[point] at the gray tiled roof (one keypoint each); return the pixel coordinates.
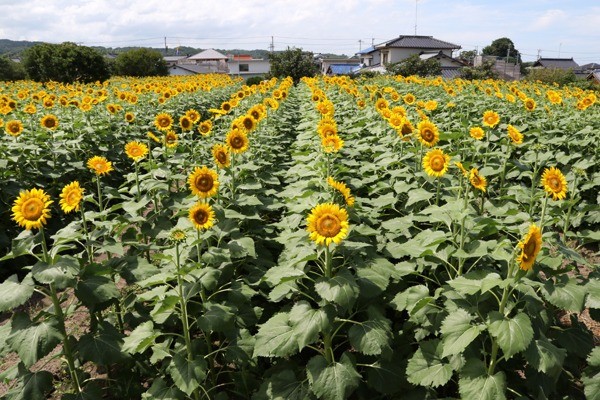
(419, 42)
(560, 63)
(451, 72)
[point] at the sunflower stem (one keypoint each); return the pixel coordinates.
(568, 216)
(137, 181)
(503, 175)
(88, 241)
(327, 262)
(543, 215)
(100, 206)
(437, 191)
(533, 176)
(501, 309)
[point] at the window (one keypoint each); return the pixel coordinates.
(244, 67)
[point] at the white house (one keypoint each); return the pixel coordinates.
(245, 66)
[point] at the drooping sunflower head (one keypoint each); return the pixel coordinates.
(476, 133)
(31, 209)
(428, 133)
(202, 216)
(70, 197)
(14, 127)
(50, 121)
(514, 134)
(136, 150)
(221, 155)
(203, 182)
(478, 181)
(462, 169)
(491, 118)
(343, 189)
(530, 247)
(436, 163)
(327, 223)
(99, 165)
(555, 183)
(163, 121)
(237, 141)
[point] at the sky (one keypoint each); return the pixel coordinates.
(546, 28)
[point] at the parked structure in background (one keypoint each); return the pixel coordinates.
(337, 65)
(506, 70)
(247, 67)
(564, 64)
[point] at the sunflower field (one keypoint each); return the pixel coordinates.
(382, 238)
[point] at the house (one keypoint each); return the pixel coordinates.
(506, 70)
(556, 63)
(594, 77)
(342, 65)
(591, 67)
(173, 60)
(210, 61)
(402, 47)
(245, 66)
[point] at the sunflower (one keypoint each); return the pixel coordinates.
(49, 121)
(554, 183)
(476, 133)
(249, 123)
(70, 197)
(327, 223)
(163, 121)
(111, 108)
(202, 216)
(185, 123)
(529, 104)
(258, 112)
(99, 165)
(171, 139)
(514, 134)
(428, 133)
(221, 155)
(478, 181)
(407, 128)
(237, 141)
(530, 247)
(203, 182)
(436, 163)
(326, 129)
(409, 98)
(30, 109)
(205, 127)
(14, 127)
(332, 144)
(129, 117)
(226, 106)
(152, 136)
(136, 150)
(461, 168)
(381, 104)
(31, 209)
(490, 118)
(343, 189)
(193, 115)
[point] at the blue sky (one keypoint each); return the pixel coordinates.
(548, 27)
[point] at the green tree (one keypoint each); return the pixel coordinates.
(413, 65)
(294, 63)
(66, 62)
(10, 70)
(468, 56)
(501, 47)
(484, 71)
(140, 62)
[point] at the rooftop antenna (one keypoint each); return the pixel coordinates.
(416, 15)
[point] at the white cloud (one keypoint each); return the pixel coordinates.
(549, 19)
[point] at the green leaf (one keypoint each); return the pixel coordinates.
(457, 332)
(242, 247)
(475, 383)
(216, 317)
(141, 338)
(416, 195)
(33, 341)
(373, 278)
(426, 367)
(308, 323)
(62, 273)
(160, 391)
(282, 273)
(474, 282)
(13, 293)
(370, 337)
(564, 293)
(276, 338)
(33, 386)
(103, 347)
(591, 385)
(513, 334)
(545, 357)
(334, 381)
(187, 374)
(386, 377)
(283, 386)
(95, 290)
(593, 297)
(341, 289)
(410, 297)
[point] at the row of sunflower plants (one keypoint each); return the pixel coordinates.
(371, 238)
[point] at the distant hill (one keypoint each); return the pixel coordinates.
(14, 48)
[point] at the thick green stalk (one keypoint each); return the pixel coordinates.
(100, 206)
(502, 310)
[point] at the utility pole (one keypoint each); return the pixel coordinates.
(506, 62)
(372, 42)
(272, 45)
(166, 48)
(416, 14)
(539, 54)
(359, 44)
(559, 46)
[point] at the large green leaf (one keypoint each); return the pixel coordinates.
(276, 338)
(103, 347)
(141, 338)
(32, 386)
(545, 357)
(187, 374)
(160, 391)
(408, 299)
(476, 384)
(565, 293)
(62, 273)
(307, 323)
(334, 381)
(591, 375)
(593, 290)
(33, 341)
(242, 247)
(474, 282)
(426, 367)
(512, 334)
(458, 332)
(341, 289)
(283, 386)
(370, 337)
(95, 290)
(374, 276)
(13, 293)
(282, 273)
(217, 317)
